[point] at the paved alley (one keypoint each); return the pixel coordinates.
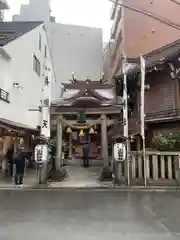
(89, 214)
(79, 176)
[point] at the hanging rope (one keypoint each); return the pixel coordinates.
(79, 127)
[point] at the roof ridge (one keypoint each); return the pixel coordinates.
(17, 29)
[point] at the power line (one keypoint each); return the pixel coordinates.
(175, 1)
(150, 14)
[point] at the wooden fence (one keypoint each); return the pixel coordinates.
(160, 168)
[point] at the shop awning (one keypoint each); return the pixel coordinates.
(16, 127)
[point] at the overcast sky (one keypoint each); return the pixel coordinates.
(93, 13)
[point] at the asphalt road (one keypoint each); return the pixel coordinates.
(88, 214)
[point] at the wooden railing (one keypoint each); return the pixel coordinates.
(160, 166)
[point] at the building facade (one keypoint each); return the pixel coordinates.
(34, 11)
(75, 49)
(135, 33)
(24, 52)
(162, 99)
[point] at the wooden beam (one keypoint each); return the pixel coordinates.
(97, 111)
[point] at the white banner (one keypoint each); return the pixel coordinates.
(46, 102)
(142, 114)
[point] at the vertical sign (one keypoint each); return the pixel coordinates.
(46, 101)
(125, 98)
(125, 113)
(142, 94)
(142, 114)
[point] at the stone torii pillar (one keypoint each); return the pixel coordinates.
(70, 146)
(104, 141)
(59, 132)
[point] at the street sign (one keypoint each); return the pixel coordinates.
(119, 152)
(41, 153)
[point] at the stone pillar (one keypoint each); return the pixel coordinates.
(59, 131)
(70, 146)
(104, 140)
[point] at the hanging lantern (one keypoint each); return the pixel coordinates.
(81, 117)
(132, 139)
(81, 134)
(69, 130)
(91, 131)
(21, 140)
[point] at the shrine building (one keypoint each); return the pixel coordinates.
(84, 113)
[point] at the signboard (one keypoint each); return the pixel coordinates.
(41, 153)
(119, 152)
(46, 102)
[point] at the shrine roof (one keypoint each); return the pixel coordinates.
(159, 56)
(91, 92)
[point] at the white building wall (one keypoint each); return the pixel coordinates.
(76, 49)
(36, 10)
(20, 69)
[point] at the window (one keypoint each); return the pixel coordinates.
(45, 51)
(36, 65)
(4, 95)
(40, 39)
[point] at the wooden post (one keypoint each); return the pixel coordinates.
(155, 167)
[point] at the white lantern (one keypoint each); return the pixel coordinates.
(41, 153)
(119, 151)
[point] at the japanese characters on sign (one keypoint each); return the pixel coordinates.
(119, 152)
(41, 153)
(45, 123)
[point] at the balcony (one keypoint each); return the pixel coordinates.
(4, 5)
(164, 115)
(4, 95)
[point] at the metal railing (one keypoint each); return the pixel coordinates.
(4, 95)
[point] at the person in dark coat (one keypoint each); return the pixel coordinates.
(9, 157)
(20, 163)
(86, 155)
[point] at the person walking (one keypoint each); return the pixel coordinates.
(86, 155)
(20, 163)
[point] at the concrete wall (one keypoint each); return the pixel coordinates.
(36, 10)
(75, 49)
(20, 69)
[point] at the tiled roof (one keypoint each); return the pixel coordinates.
(9, 31)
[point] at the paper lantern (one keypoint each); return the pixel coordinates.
(81, 134)
(91, 131)
(69, 130)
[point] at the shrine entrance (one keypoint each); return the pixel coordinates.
(83, 114)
